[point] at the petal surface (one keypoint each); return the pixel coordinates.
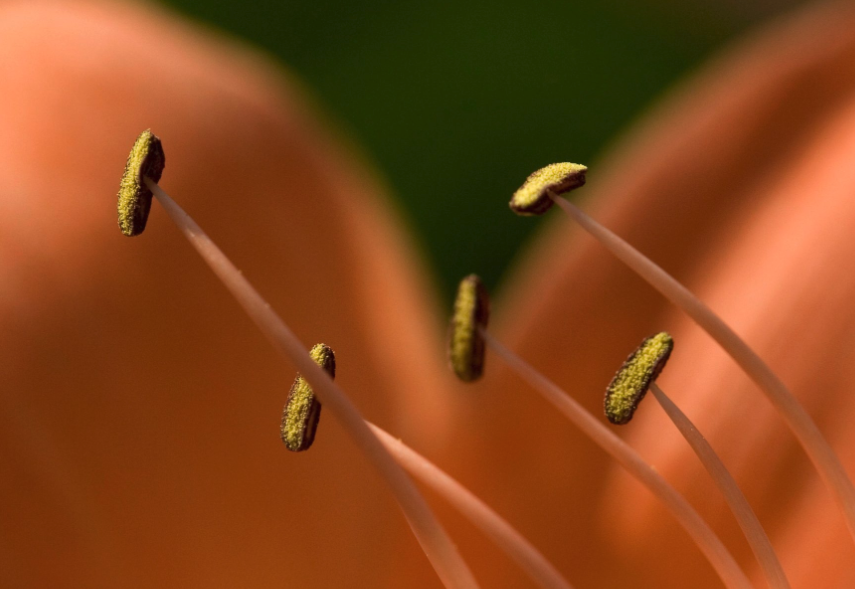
(738, 184)
(140, 407)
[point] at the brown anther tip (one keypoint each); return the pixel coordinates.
(632, 381)
(134, 199)
(466, 345)
(533, 197)
(302, 409)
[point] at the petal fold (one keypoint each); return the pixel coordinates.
(140, 407)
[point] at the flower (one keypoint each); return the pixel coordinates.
(140, 407)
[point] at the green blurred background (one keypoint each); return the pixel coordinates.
(457, 102)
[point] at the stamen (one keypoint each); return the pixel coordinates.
(711, 546)
(134, 201)
(514, 544)
(746, 517)
(532, 199)
(794, 415)
(479, 513)
(639, 373)
(631, 382)
(465, 346)
(438, 547)
(302, 410)
(485, 518)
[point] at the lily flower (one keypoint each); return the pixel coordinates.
(139, 408)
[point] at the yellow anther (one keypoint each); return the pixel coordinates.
(302, 409)
(631, 382)
(466, 346)
(146, 159)
(532, 199)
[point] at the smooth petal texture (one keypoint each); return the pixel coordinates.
(140, 407)
(740, 184)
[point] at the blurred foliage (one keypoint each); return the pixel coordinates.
(457, 102)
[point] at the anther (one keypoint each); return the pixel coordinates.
(634, 378)
(532, 197)
(302, 409)
(146, 159)
(465, 344)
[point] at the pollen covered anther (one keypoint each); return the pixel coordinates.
(634, 378)
(302, 409)
(134, 201)
(465, 345)
(532, 197)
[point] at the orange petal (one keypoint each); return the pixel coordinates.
(140, 407)
(780, 281)
(739, 185)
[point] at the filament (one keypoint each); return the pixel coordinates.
(435, 542)
(801, 424)
(540, 570)
(745, 516)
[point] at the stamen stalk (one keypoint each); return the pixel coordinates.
(801, 424)
(435, 542)
(746, 517)
(514, 544)
(711, 546)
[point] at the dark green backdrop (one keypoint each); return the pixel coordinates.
(457, 102)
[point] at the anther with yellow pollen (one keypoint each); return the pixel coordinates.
(634, 378)
(466, 345)
(145, 160)
(302, 410)
(533, 198)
